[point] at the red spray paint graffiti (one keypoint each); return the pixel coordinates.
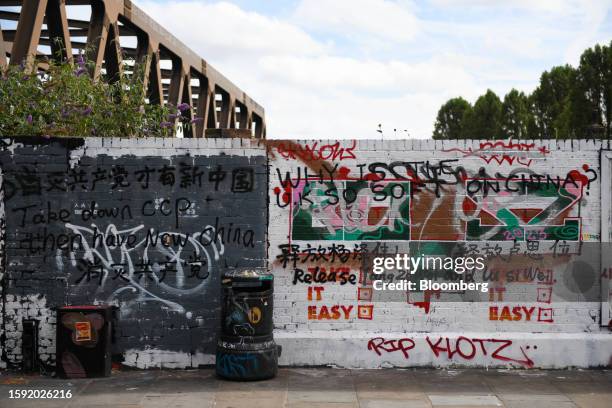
(379, 344)
(460, 348)
(502, 151)
(316, 151)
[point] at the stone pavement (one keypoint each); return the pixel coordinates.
(325, 387)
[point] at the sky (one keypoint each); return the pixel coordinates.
(337, 69)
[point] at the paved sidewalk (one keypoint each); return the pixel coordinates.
(325, 387)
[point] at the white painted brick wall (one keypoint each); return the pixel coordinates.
(395, 319)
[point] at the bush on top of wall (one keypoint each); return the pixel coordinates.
(64, 100)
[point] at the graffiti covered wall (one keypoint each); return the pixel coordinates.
(337, 202)
(148, 226)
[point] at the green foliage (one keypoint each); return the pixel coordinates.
(568, 103)
(551, 101)
(515, 115)
(65, 101)
(449, 123)
(591, 100)
(485, 118)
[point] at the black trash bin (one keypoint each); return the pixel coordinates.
(83, 346)
(246, 350)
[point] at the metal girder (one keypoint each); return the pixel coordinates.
(110, 21)
(27, 36)
(2, 50)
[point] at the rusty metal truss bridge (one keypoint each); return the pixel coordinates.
(114, 33)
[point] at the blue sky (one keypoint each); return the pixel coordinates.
(338, 68)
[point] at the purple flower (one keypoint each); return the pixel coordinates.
(196, 120)
(86, 111)
(81, 60)
(29, 119)
(165, 124)
(80, 71)
(65, 113)
(183, 107)
(172, 116)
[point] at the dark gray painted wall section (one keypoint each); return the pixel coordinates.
(151, 234)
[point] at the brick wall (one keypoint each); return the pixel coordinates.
(147, 225)
(134, 222)
(333, 201)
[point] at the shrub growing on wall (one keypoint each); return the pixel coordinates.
(65, 100)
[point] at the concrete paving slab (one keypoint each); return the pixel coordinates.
(391, 403)
(324, 387)
(321, 396)
(593, 400)
(534, 397)
(390, 394)
(539, 404)
(322, 405)
(458, 399)
(249, 403)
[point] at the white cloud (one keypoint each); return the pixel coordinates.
(553, 6)
(367, 76)
(223, 29)
(331, 97)
(528, 27)
(312, 88)
(595, 13)
(344, 115)
(308, 91)
(389, 20)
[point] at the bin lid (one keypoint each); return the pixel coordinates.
(246, 275)
(85, 307)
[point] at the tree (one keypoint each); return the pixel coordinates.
(515, 115)
(449, 122)
(591, 98)
(550, 103)
(484, 120)
(568, 103)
